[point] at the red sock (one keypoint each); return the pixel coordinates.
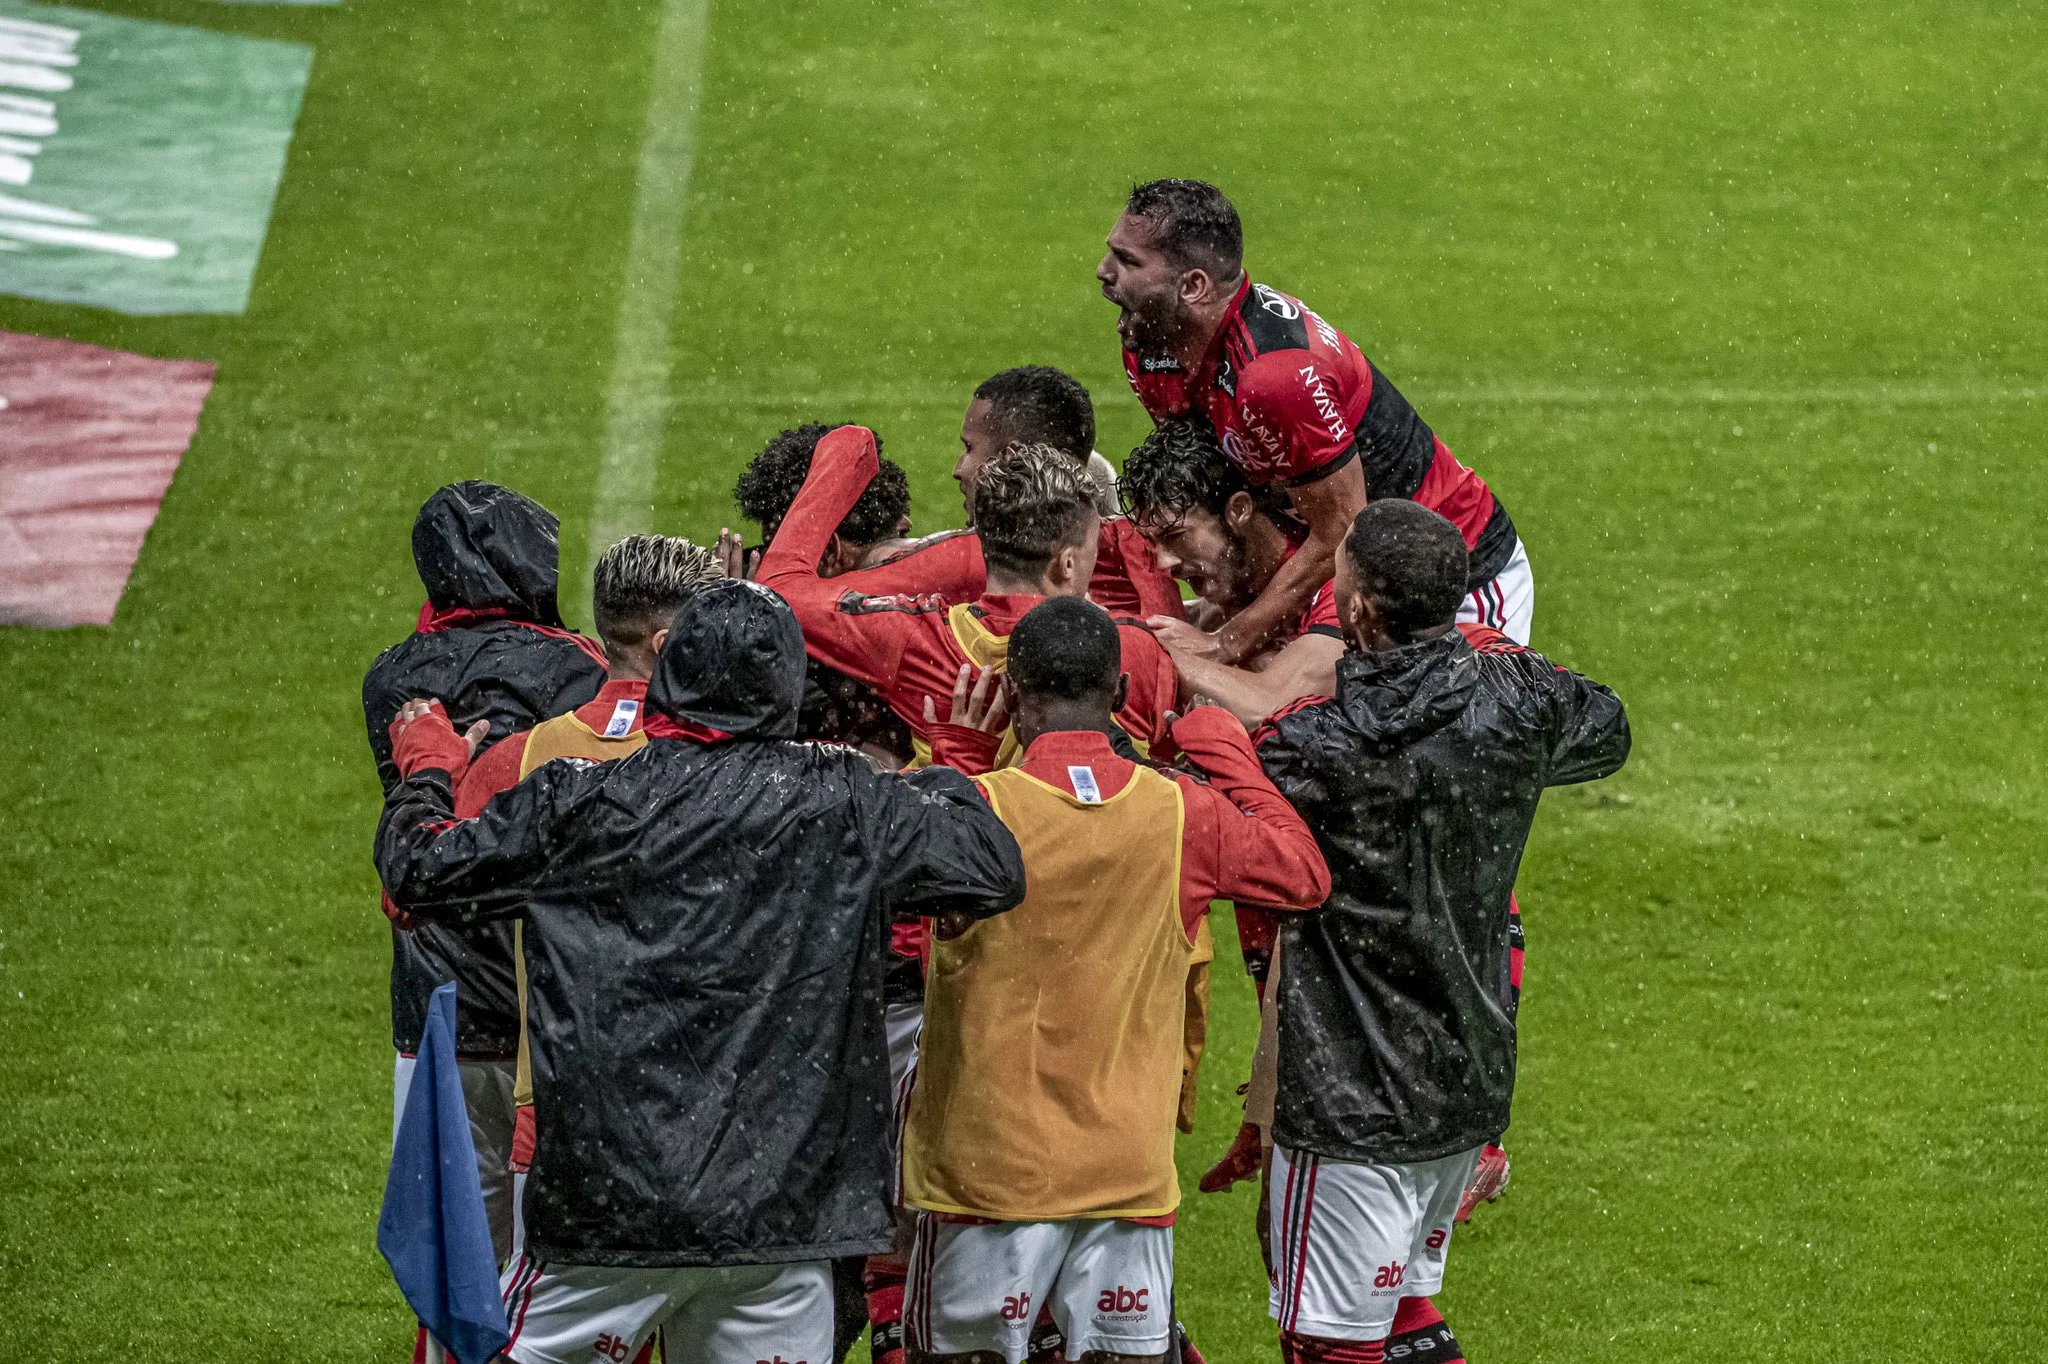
(1296, 1348)
(883, 1280)
(1420, 1333)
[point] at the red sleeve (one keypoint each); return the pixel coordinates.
(948, 566)
(969, 751)
(1128, 580)
(1293, 404)
(1320, 617)
(1155, 687)
(496, 769)
(866, 646)
(1243, 840)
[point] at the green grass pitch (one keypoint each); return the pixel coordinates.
(1739, 308)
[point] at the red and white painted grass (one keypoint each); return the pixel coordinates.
(89, 440)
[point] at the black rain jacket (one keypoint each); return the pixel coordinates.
(1420, 780)
(706, 929)
(491, 646)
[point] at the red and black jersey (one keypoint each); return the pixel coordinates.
(910, 648)
(1292, 398)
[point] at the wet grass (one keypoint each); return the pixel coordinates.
(1738, 311)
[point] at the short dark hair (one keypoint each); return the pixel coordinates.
(1409, 561)
(1193, 223)
(769, 484)
(1030, 502)
(1040, 405)
(1180, 466)
(1066, 647)
(642, 581)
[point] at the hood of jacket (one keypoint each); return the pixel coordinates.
(733, 662)
(1393, 699)
(483, 547)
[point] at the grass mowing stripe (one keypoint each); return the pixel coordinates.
(1866, 394)
(637, 412)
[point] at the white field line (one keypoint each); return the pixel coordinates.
(638, 402)
(1865, 394)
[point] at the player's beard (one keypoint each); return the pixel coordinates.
(1225, 588)
(1154, 328)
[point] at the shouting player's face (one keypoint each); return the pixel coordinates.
(1146, 287)
(1197, 547)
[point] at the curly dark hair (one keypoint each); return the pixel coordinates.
(1193, 223)
(769, 484)
(1181, 466)
(1040, 405)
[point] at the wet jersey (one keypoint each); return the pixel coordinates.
(910, 648)
(1292, 399)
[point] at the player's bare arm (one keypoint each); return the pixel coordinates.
(1305, 666)
(1327, 506)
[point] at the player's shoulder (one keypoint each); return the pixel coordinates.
(964, 540)
(1301, 716)
(1485, 639)
(1138, 640)
(1278, 335)
(893, 603)
(1272, 322)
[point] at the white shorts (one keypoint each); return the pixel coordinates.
(902, 1026)
(591, 1314)
(487, 1090)
(1508, 603)
(978, 1286)
(1350, 1241)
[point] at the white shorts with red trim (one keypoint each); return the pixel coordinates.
(487, 1091)
(1350, 1241)
(1508, 603)
(979, 1286)
(902, 1028)
(589, 1314)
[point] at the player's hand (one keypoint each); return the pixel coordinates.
(1181, 639)
(1239, 1163)
(1195, 703)
(734, 556)
(978, 702)
(422, 738)
(412, 712)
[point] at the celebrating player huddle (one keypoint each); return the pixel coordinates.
(831, 945)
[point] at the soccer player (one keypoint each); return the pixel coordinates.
(1040, 1141)
(639, 585)
(705, 927)
(1227, 539)
(1294, 402)
(1040, 405)
(1396, 1028)
(491, 644)
(1029, 405)
(836, 708)
(875, 526)
(1039, 531)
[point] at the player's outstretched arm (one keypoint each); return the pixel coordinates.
(1241, 832)
(1591, 730)
(1328, 506)
(437, 867)
(866, 646)
(945, 850)
(1306, 666)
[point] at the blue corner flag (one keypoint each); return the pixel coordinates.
(433, 1230)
